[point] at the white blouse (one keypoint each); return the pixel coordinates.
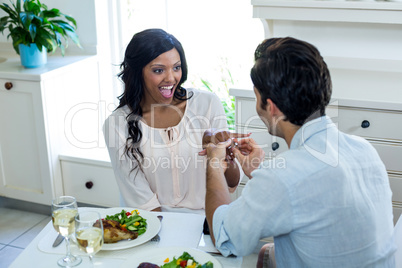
(174, 174)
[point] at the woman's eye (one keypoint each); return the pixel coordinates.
(158, 71)
(177, 68)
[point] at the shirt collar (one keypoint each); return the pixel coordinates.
(309, 129)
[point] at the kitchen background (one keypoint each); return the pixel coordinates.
(50, 121)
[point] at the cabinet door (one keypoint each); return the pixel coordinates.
(24, 165)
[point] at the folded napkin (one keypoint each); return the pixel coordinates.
(180, 229)
(45, 244)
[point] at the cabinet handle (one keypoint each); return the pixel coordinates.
(365, 124)
(275, 146)
(8, 85)
(89, 184)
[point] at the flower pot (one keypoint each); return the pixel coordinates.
(31, 56)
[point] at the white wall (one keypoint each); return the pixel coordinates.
(83, 11)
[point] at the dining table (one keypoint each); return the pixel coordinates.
(177, 231)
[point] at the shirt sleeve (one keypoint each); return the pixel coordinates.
(133, 185)
(263, 210)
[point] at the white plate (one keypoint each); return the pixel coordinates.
(153, 227)
(158, 255)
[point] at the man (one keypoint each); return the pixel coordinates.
(330, 204)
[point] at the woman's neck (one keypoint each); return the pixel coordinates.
(163, 116)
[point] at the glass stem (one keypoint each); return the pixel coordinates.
(91, 259)
(68, 247)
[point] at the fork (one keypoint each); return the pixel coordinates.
(156, 238)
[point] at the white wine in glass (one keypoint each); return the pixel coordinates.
(64, 210)
(89, 232)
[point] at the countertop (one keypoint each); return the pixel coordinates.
(375, 103)
(11, 68)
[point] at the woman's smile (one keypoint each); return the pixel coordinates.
(167, 91)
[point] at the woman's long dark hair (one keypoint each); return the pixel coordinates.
(144, 47)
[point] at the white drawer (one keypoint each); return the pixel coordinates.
(265, 140)
(246, 113)
(91, 184)
(382, 124)
(391, 155)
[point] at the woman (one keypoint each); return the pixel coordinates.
(157, 131)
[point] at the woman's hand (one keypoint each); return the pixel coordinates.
(213, 136)
(249, 154)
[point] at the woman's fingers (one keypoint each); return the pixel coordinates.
(203, 152)
(220, 136)
(239, 135)
(225, 144)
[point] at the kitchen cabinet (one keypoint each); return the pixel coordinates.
(360, 42)
(34, 105)
(25, 172)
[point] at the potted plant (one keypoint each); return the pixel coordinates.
(37, 30)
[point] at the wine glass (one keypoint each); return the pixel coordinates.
(89, 232)
(64, 209)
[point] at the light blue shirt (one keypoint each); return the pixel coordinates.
(326, 202)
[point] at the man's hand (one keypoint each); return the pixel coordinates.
(249, 154)
(215, 137)
(216, 154)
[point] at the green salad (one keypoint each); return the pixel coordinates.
(185, 261)
(131, 221)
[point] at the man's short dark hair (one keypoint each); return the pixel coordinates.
(294, 76)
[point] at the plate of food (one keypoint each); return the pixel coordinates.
(172, 257)
(128, 227)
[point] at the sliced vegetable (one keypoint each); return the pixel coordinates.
(183, 264)
(130, 221)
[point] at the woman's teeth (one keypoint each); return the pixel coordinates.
(166, 91)
(168, 87)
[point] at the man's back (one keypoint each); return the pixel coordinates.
(328, 206)
(341, 199)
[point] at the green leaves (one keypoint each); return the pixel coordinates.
(33, 22)
(227, 101)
